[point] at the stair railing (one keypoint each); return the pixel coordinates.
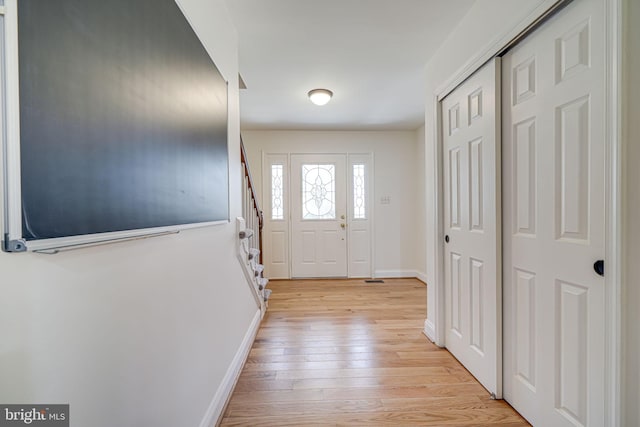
(250, 235)
(250, 206)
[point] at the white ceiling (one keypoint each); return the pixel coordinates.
(370, 53)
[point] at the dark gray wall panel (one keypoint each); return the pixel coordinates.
(123, 119)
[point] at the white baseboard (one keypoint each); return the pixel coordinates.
(217, 405)
(430, 330)
(395, 274)
(422, 277)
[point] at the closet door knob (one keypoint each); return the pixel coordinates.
(598, 267)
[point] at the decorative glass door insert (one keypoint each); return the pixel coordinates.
(318, 191)
(277, 192)
(359, 192)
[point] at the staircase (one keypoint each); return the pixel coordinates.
(249, 228)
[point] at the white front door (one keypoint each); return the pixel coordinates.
(318, 215)
(470, 126)
(553, 168)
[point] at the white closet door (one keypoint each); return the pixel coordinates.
(471, 134)
(553, 168)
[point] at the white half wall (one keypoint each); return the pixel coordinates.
(396, 173)
(484, 24)
(141, 333)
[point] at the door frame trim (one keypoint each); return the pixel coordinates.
(435, 325)
(613, 211)
(371, 188)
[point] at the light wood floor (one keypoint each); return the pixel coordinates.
(343, 352)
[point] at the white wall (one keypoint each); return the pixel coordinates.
(139, 333)
(396, 175)
(631, 280)
(486, 22)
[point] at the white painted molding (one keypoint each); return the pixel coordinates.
(614, 210)
(372, 216)
(11, 98)
(494, 47)
(429, 330)
(438, 230)
(401, 274)
(220, 399)
(421, 276)
(395, 274)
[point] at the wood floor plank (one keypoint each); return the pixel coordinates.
(324, 357)
(353, 373)
(348, 353)
(436, 417)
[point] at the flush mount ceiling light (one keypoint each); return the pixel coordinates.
(320, 96)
